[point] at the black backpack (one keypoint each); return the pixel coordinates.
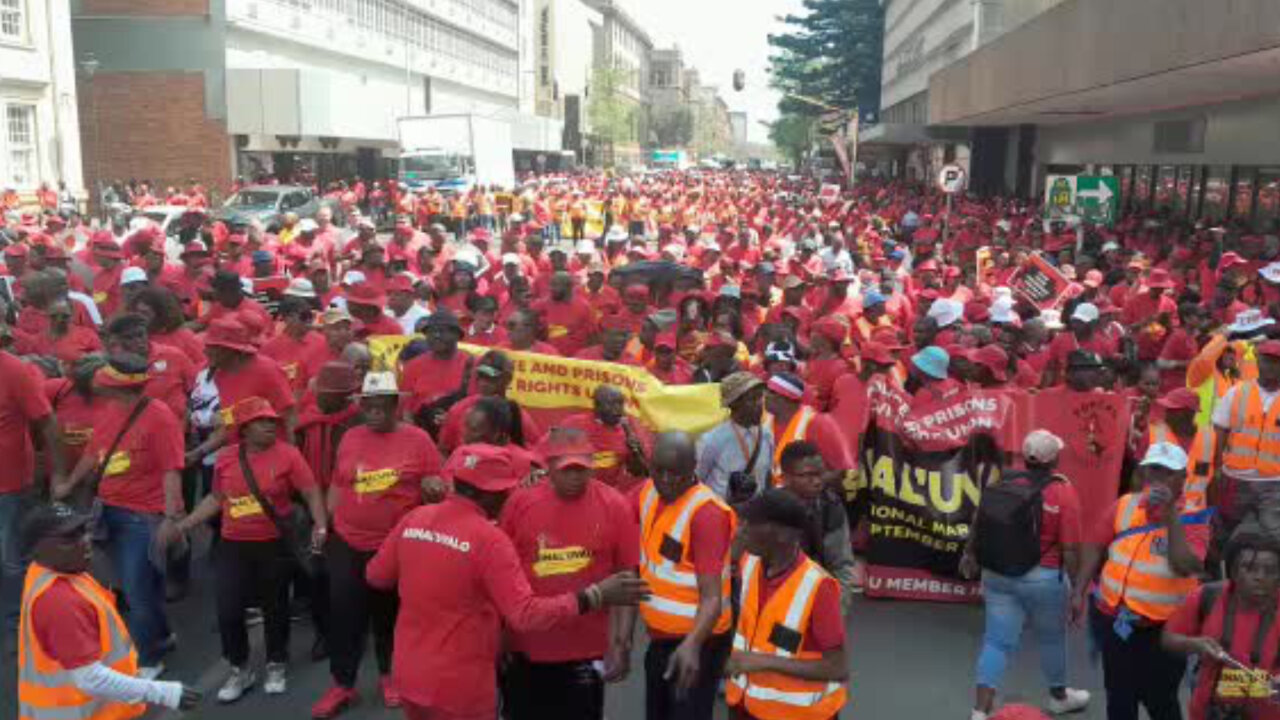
(1008, 523)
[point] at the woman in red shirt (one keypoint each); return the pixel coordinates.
(164, 318)
(254, 562)
(385, 468)
(77, 407)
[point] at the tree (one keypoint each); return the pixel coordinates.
(791, 135)
(612, 116)
(833, 54)
(674, 128)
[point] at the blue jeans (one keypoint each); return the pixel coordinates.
(129, 538)
(1041, 597)
(13, 561)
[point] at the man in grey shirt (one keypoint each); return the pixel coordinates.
(728, 449)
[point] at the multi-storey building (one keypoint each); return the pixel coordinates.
(621, 44)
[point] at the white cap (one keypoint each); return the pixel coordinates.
(307, 225)
(1086, 312)
(616, 234)
(1271, 273)
(510, 259)
(353, 277)
(1110, 245)
(246, 284)
(133, 275)
(300, 288)
(1249, 320)
(585, 247)
(1166, 455)
(380, 383)
(946, 312)
(1002, 311)
(675, 251)
(365, 222)
(1041, 446)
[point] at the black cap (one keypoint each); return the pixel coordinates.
(53, 520)
(442, 318)
(1083, 360)
(779, 507)
(225, 279)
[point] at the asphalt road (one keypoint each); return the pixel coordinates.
(908, 661)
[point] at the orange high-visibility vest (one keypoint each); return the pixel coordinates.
(665, 563)
(1137, 572)
(45, 688)
(1199, 463)
(797, 429)
(769, 695)
(1254, 443)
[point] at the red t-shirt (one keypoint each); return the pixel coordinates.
(564, 546)
(134, 475)
(294, 356)
(1065, 342)
(569, 324)
(610, 445)
(22, 402)
(1186, 621)
(186, 341)
(428, 378)
(258, 377)
(1059, 521)
(379, 479)
(76, 417)
(1181, 346)
(826, 624)
(279, 471)
(172, 378)
(66, 624)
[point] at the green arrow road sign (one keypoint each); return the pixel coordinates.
(1098, 199)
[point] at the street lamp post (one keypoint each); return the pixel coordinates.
(90, 66)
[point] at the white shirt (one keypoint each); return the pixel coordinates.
(409, 321)
(1222, 421)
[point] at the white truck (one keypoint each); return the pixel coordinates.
(454, 153)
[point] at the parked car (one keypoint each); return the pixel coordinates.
(267, 204)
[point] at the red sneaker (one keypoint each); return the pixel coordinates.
(390, 696)
(335, 700)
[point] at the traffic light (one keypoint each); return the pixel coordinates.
(739, 80)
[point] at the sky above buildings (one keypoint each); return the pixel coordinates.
(718, 37)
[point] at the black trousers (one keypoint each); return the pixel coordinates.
(661, 700)
(253, 574)
(578, 228)
(1136, 671)
(353, 607)
(564, 691)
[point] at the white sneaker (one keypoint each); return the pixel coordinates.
(151, 672)
(1074, 701)
(276, 682)
(976, 714)
(237, 684)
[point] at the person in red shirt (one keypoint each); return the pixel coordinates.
(385, 468)
(569, 532)
(64, 619)
(239, 372)
(250, 568)
(135, 458)
(635, 307)
(172, 376)
(569, 320)
(230, 299)
(1039, 596)
(107, 257)
(613, 342)
(1084, 335)
(522, 334)
(1233, 619)
(63, 340)
(493, 374)
(448, 631)
(826, 363)
(365, 303)
(439, 378)
(774, 525)
(296, 344)
(77, 408)
(667, 366)
(163, 313)
(620, 444)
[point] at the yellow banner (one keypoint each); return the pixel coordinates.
(594, 226)
(546, 382)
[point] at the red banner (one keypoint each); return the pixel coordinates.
(1039, 282)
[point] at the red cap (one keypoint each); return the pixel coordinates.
(1230, 260)
(994, 358)
(398, 283)
(1159, 278)
(614, 322)
(977, 311)
(195, 247)
(878, 353)
(1180, 399)
(253, 408)
(1270, 348)
(831, 329)
(55, 252)
(667, 339)
(17, 250)
(636, 291)
(229, 333)
(485, 467)
(366, 294)
(237, 239)
(564, 448)
(107, 248)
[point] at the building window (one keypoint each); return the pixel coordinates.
(13, 20)
(1244, 194)
(20, 145)
(1217, 189)
(1142, 183)
(1268, 199)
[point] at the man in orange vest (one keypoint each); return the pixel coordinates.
(75, 657)
(788, 660)
(685, 532)
(1247, 419)
(1179, 427)
(1150, 548)
(787, 419)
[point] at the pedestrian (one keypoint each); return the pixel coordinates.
(254, 481)
(1150, 550)
(788, 660)
(494, 372)
(1231, 626)
(569, 532)
(1247, 419)
(448, 631)
(826, 538)
(385, 468)
(1026, 539)
(789, 418)
(621, 444)
(735, 457)
(75, 655)
(685, 532)
(132, 466)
